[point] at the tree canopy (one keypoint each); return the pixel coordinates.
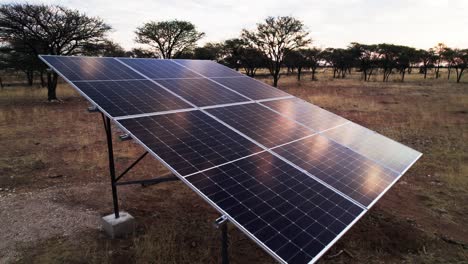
(50, 29)
(168, 39)
(275, 37)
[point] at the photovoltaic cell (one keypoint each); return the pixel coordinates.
(354, 175)
(91, 68)
(290, 213)
(121, 98)
(157, 68)
(208, 68)
(261, 124)
(255, 90)
(305, 113)
(202, 92)
(189, 141)
(374, 146)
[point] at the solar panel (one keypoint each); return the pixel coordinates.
(88, 68)
(286, 211)
(261, 124)
(292, 176)
(310, 115)
(375, 146)
(208, 68)
(122, 98)
(350, 173)
(255, 90)
(202, 92)
(189, 141)
(159, 69)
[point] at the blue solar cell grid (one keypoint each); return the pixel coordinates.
(292, 214)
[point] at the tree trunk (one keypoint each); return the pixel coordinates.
(403, 75)
(369, 75)
(254, 72)
(51, 86)
(43, 82)
(425, 72)
(30, 77)
(299, 70)
(275, 72)
(459, 75)
(275, 81)
(1, 83)
(449, 71)
(313, 74)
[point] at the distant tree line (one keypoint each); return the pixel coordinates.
(277, 43)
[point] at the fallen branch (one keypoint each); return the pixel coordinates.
(348, 253)
(341, 252)
(335, 255)
(454, 242)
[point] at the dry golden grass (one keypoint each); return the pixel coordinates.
(62, 146)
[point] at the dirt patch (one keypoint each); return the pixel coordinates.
(33, 216)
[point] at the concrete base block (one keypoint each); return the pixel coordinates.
(118, 227)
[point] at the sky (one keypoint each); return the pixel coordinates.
(331, 23)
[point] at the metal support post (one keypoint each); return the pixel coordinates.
(221, 223)
(107, 126)
(224, 246)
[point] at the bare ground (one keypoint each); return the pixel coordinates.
(54, 183)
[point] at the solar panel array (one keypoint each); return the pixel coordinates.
(291, 175)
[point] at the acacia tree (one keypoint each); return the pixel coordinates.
(107, 48)
(232, 49)
(17, 57)
(388, 54)
(341, 61)
(168, 39)
(404, 57)
(460, 62)
(439, 57)
(296, 60)
(449, 56)
(210, 51)
(426, 58)
(50, 29)
(312, 57)
(275, 37)
(366, 58)
(251, 60)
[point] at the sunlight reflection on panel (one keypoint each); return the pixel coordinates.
(374, 146)
(261, 124)
(307, 114)
(348, 172)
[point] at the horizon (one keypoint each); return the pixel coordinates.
(361, 21)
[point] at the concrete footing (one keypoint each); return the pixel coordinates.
(118, 227)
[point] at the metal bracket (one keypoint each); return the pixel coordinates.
(220, 221)
(125, 137)
(93, 109)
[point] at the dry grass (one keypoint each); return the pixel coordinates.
(61, 146)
